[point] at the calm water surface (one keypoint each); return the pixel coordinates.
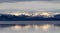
(45, 28)
(27, 28)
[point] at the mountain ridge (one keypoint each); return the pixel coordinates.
(9, 17)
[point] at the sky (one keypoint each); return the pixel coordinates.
(18, 6)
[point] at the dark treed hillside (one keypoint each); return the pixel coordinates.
(8, 17)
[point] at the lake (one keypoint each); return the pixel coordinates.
(30, 28)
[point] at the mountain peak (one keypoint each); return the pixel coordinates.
(45, 14)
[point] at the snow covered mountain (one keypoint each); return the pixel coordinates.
(45, 14)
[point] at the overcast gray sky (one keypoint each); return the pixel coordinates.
(29, 5)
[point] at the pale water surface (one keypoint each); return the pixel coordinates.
(42, 28)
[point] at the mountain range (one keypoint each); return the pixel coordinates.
(22, 17)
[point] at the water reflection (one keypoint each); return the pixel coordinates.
(16, 27)
(44, 28)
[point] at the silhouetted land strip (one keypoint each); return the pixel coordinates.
(8, 17)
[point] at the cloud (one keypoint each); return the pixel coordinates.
(29, 6)
(2, 1)
(35, 5)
